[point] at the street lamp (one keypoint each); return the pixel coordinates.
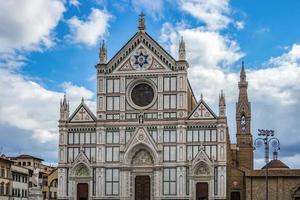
(266, 137)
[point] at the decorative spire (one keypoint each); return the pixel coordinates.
(243, 73)
(142, 25)
(82, 99)
(222, 99)
(222, 105)
(201, 96)
(103, 53)
(181, 51)
(64, 100)
(64, 109)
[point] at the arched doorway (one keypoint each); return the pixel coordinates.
(142, 161)
(82, 191)
(81, 178)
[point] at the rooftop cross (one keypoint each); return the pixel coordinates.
(142, 25)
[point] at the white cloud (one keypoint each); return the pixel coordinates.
(239, 25)
(26, 26)
(205, 49)
(29, 106)
(75, 3)
(214, 13)
(89, 31)
(152, 8)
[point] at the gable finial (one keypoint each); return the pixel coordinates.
(201, 97)
(82, 99)
(142, 25)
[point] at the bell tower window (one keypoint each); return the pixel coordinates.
(243, 123)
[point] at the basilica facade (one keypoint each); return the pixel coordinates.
(149, 137)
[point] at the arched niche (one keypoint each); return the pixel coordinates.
(140, 148)
(81, 170)
(202, 169)
(142, 157)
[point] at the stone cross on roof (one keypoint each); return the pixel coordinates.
(142, 25)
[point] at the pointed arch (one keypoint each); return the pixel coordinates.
(81, 170)
(132, 151)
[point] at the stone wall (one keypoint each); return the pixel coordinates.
(282, 184)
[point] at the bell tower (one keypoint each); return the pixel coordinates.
(243, 124)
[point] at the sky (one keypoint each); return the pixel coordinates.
(49, 48)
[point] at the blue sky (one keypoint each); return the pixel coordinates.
(53, 47)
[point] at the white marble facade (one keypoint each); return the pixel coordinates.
(147, 123)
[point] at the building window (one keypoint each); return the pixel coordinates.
(112, 137)
(112, 154)
(187, 181)
(2, 188)
(128, 134)
(72, 153)
(90, 153)
(169, 83)
(112, 181)
(113, 86)
(170, 136)
(210, 150)
(200, 135)
(170, 101)
(169, 181)
(169, 153)
(216, 180)
(154, 134)
(113, 103)
(170, 115)
(2, 172)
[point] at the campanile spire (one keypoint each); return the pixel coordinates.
(243, 123)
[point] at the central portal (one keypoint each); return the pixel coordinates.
(82, 191)
(142, 188)
(202, 191)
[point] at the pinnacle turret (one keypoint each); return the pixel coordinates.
(64, 109)
(222, 105)
(103, 53)
(181, 51)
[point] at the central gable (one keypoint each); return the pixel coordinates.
(140, 60)
(141, 52)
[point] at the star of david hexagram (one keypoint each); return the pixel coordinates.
(141, 59)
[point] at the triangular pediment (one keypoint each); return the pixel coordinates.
(202, 111)
(81, 166)
(201, 157)
(141, 137)
(82, 114)
(81, 158)
(141, 60)
(141, 53)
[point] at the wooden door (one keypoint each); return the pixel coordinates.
(235, 196)
(82, 191)
(142, 188)
(202, 191)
